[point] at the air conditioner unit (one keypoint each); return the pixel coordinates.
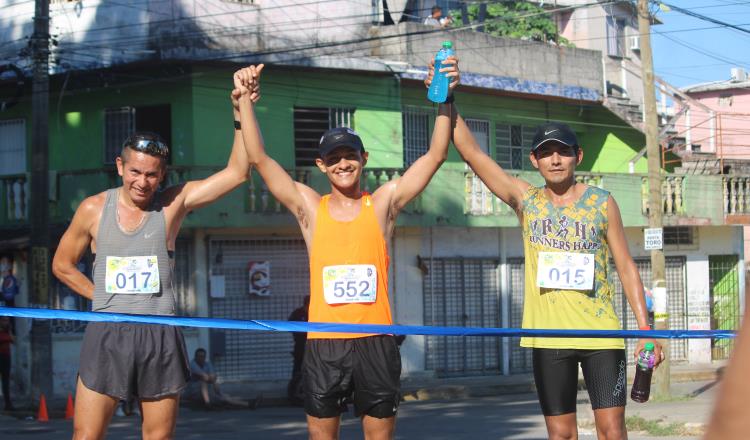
(635, 43)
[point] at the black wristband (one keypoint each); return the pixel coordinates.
(450, 99)
(237, 125)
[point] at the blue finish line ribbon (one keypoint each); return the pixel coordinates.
(300, 326)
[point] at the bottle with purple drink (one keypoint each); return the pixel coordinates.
(644, 367)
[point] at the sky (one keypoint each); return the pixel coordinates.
(710, 53)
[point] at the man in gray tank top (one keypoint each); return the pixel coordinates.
(132, 231)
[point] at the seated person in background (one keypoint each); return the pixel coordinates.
(436, 18)
(203, 384)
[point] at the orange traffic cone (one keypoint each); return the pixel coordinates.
(69, 408)
(42, 415)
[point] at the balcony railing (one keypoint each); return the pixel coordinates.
(479, 200)
(14, 204)
(260, 199)
(736, 195)
(455, 197)
(672, 195)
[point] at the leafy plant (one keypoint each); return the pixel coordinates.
(515, 19)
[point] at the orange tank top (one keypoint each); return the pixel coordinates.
(348, 271)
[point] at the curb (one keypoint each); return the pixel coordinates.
(486, 386)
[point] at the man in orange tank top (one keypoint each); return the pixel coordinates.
(347, 234)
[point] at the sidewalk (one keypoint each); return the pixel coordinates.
(693, 391)
(426, 388)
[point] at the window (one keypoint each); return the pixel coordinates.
(615, 37)
(481, 131)
(309, 125)
(513, 145)
(121, 122)
(12, 146)
(679, 236)
(416, 129)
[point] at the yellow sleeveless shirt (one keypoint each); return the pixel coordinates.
(578, 228)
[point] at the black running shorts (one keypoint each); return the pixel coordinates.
(365, 370)
(556, 378)
(122, 360)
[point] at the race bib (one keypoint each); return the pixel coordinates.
(132, 275)
(351, 283)
(565, 271)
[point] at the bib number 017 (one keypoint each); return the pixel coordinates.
(122, 281)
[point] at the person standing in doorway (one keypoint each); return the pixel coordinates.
(6, 339)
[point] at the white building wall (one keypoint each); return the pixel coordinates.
(437, 242)
(97, 33)
(710, 240)
(506, 243)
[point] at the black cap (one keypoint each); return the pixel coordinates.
(340, 137)
(554, 131)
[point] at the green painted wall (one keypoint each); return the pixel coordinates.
(202, 135)
(376, 100)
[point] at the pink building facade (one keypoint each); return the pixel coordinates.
(714, 124)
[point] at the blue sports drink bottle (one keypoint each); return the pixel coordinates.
(438, 91)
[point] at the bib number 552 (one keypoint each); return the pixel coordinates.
(350, 288)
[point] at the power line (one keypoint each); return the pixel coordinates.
(706, 18)
(703, 51)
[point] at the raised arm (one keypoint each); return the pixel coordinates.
(414, 180)
(508, 188)
(198, 193)
(400, 191)
(300, 199)
(628, 273)
(73, 245)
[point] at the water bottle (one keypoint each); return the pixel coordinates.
(644, 367)
(438, 91)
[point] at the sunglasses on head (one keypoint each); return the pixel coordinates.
(150, 146)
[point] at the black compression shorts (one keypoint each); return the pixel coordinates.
(556, 378)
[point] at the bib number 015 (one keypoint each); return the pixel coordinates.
(565, 271)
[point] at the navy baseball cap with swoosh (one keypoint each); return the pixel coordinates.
(339, 137)
(554, 131)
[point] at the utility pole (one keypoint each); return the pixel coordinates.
(661, 391)
(39, 267)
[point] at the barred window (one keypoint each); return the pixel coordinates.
(12, 146)
(513, 145)
(679, 236)
(121, 122)
(309, 125)
(480, 128)
(416, 130)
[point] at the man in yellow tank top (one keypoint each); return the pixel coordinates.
(347, 234)
(570, 230)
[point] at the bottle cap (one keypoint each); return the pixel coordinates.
(447, 44)
(649, 346)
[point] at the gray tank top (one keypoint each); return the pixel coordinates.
(150, 239)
